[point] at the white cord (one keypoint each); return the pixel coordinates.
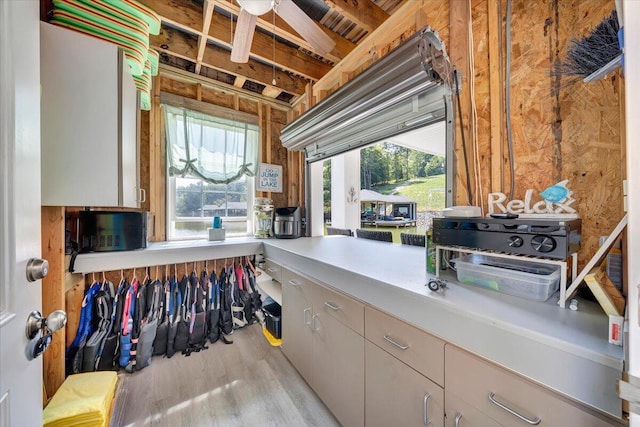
(474, 111)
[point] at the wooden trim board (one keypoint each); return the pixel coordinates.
(600, 254)
(608, 296)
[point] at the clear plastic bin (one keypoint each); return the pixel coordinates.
(527, 279)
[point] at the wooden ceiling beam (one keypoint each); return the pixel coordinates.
(178, 44)
(182, 14)
(271, 91)
(188, 17)
(364, 13)
(239, 81)
(207, 12)
(285, 57)
(178, 74)
(284, 30)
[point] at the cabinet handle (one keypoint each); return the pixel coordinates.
(457, 419)
(304, 316)
(332, 306)
(533, 422)
(387, 338)
(142, 195)
(272, 269)
(426, 419)
(313, 323)
(293, 282)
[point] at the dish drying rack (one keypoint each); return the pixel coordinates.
(564, 265)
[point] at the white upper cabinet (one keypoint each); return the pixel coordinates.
(89, 122)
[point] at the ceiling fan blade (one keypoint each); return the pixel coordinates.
(243, 36)
(305, 26)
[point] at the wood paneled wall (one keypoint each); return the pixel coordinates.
(562, 128)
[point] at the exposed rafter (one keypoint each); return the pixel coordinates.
(178, 44)
(197, 36)
(202, 39)
(189, 17)
(284, 31)
(363, 12)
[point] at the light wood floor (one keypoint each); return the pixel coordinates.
(247, 383)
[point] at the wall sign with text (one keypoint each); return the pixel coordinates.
(269, 178)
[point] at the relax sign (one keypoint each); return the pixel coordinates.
(555, 200)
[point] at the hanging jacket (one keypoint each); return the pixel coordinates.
(103, 306)
(149, 325)
(74, 354)
(174, 316)
(256, 300)
(126, 330)
(214, 309)
(111, 347)
(162, 333)
(226, 322)
(183, 316)
(198, 317)
(239, 304)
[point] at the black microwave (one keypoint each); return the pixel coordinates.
(105, 231)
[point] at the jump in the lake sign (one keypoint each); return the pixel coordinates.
(269, 178)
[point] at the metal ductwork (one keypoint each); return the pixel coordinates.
(407, 89)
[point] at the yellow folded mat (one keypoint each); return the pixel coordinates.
(82, 400)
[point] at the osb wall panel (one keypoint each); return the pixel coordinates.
(562, 128)
(481, 82)
(279, 156)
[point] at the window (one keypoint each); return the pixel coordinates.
(211, 162)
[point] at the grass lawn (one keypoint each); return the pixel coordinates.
(428, 192)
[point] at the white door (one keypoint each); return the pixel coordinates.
(20, 227)
(631, 14)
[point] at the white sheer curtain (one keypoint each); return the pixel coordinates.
(215, 149)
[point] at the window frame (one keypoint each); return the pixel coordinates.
(171, 216)
(170, 181)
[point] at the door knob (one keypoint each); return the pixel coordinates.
(37, 269)
(36, 322)
(56, 320)
(40, 331)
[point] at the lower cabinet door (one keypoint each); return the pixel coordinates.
(511, 399)
(398, 395)
(297, 337)
(459, 413)
(338, 369)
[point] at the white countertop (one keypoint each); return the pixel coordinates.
(563, 349)
(172, 252)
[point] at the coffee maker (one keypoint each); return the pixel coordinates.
(288, 223)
